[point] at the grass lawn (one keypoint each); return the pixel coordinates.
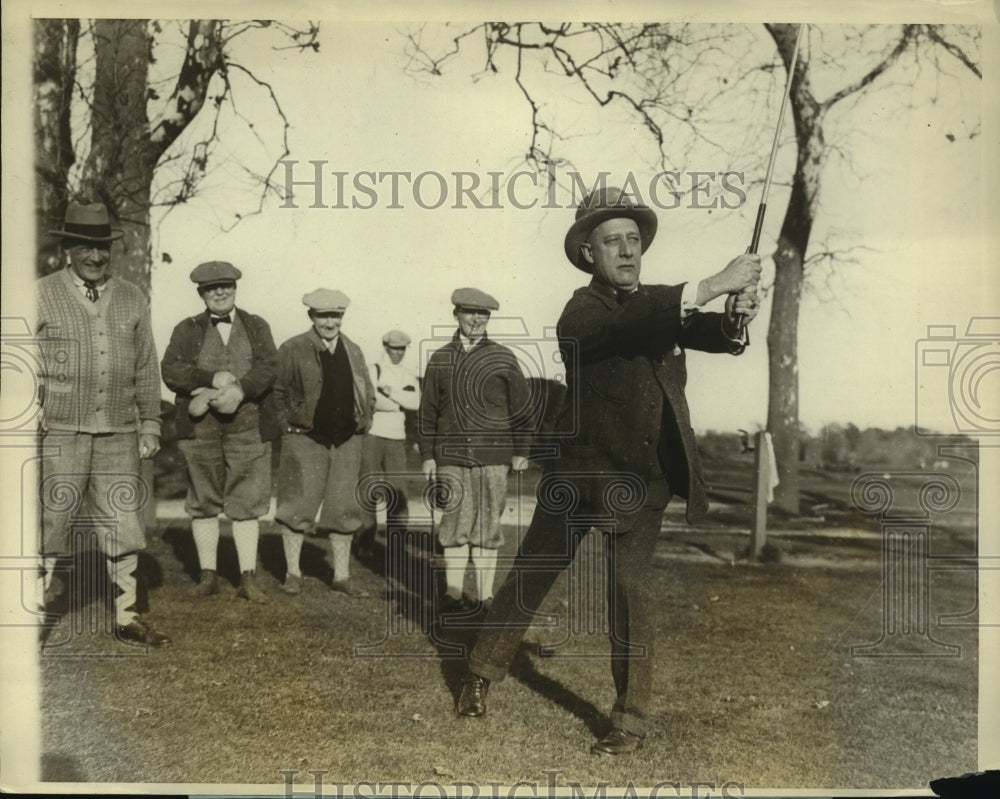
(756, 682)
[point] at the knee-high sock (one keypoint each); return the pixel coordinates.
(455, 561)
(206, 541)
(121, 570)
(245, 534)
(292, 543)
(48, 570)
(485, 563)
(340, 554)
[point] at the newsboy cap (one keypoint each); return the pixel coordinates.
(214, 272)
(600, 206)
(326, 300)
(87, 223)
(475, 299)
(396, 338)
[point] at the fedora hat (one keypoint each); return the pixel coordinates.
(599, 206)
(88, 223)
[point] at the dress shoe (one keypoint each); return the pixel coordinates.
(448, 604)
(249, 589)
(617, 742)
(140, 632)
(349, 588)
(207, 583)
(292, 584)
(472, 699)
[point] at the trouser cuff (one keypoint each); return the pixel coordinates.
(487, 670)
(629, 722)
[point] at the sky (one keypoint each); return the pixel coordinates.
(907, 204)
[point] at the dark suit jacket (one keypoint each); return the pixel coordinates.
(181, 373)
(625, 407)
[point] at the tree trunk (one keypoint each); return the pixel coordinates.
(119, 170)
(55, 43)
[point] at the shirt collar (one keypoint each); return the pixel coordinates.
(79, 282)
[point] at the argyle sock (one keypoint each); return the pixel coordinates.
(121, 570)
(245, 535)
(455, 561)
(485, 563)
(340, 553)
(292, 543)
(206, 541)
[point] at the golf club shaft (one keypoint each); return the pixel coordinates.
(762, 208)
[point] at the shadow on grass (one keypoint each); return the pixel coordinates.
(523, 670)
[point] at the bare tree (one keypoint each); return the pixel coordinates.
(104, 133)
(702, 88)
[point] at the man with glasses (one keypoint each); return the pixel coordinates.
(396, 391)
(222, 365)
(325, 401)
(472, 428)
(100, 412)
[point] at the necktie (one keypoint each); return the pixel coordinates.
(222, 320)
(91, 287)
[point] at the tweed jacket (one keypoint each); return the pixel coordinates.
(99, 370)
(625, 403)
(182, 375)
(300, 378)
(475, 406)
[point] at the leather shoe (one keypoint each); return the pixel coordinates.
(472, 699)
(292, 584)
(207, 584)
(349, 588)
(141, 633)
(617, 742)
(249, 589)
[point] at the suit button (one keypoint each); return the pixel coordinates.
(647, 441)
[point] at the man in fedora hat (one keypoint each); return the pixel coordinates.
(325, 404)
(100, 411)
(222, 364)
(472, 428)
(396, 391)
(628, 448)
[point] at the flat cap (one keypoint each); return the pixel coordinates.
(326, 300)
(396, 338)
(474, 298)
(215, 272)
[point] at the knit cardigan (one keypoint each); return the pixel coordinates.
(100, 371)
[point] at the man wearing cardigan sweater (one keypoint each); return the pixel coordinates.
(325, 401)
(100, 411)
(472, 429)
(222, 364)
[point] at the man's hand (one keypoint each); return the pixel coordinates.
(227, 399)
(740, 273)
(744, 304)
(518, 464)
(223, 379)
(149, 445)
(429, 467)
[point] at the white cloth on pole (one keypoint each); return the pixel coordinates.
(772, 467)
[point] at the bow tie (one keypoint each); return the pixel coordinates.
(91, 287)
(222, 320)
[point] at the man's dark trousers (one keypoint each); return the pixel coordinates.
(547, 549)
